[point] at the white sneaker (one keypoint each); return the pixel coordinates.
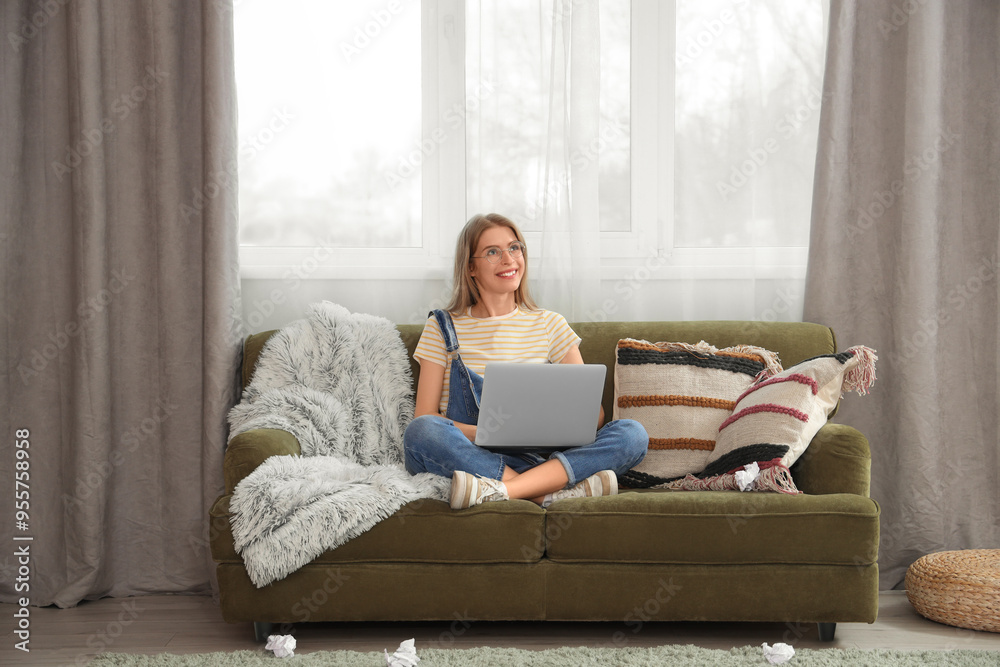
(468, 490)
(604, 483)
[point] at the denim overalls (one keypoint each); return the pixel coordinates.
(465, 388)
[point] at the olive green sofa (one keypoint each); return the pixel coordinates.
(643, 555)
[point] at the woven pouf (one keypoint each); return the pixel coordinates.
(960, 588)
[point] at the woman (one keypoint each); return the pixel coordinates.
(492, 317)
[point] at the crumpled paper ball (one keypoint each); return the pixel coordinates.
(778, 653)
(746, 477)
(282, 645)
(405, 655)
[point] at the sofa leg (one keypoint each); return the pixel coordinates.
(826, 631)
(261, 631)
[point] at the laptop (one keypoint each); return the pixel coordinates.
(539, 406)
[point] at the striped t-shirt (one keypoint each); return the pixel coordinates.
(537, 336)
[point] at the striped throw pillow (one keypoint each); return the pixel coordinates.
(775, 420)
(681, 394)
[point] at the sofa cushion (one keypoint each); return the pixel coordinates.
(714, 527)
(681, 394)
(787, 410)
(424, 531)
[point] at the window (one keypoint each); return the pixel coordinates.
(749, 76)
(330, 134)
(507, 60)
(375, 128)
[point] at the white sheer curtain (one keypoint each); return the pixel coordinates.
(544, 111)
(748, 96)
(549, 145)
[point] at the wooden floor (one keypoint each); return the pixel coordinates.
(185, 624)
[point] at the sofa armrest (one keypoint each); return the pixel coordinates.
(249, 449)
(837, 460)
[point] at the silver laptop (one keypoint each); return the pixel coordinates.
(539, 406)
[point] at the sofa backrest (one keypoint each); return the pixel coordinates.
(793, 341)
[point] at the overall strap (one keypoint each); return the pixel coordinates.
(447, 329)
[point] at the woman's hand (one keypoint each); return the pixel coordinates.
(468, 429)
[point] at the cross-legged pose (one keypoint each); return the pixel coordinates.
(492, 317)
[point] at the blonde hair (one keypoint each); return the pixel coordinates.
(465, 292)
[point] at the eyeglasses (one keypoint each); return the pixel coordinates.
(494, 253)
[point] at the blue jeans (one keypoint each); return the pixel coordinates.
(433, 443)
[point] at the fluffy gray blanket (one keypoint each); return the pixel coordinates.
(341, 384)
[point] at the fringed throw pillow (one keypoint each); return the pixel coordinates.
(775, 420)
(681, 394)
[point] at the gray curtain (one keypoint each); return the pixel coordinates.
(120, 291)
(903, 258)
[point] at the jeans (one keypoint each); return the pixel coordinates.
(434, 444)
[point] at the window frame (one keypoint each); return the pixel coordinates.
(443, 181)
